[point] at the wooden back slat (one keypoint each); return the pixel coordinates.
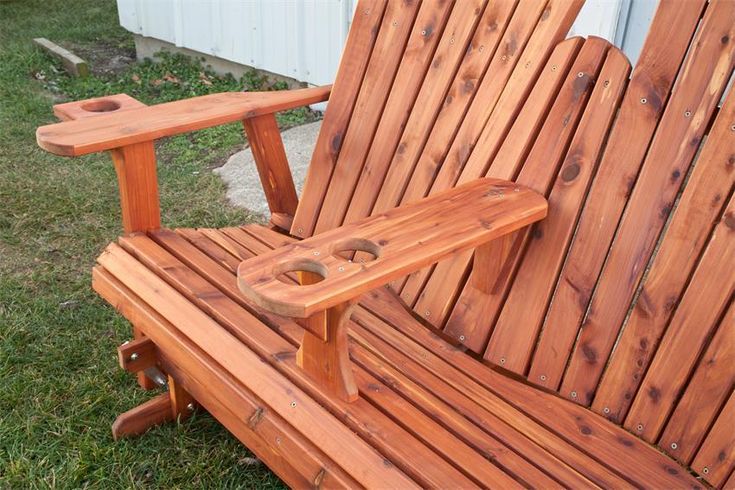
(716, 458)
(381, 90)
(706, 298)
(489, 131)
(698, 90)
(699, 208)
(515, 332)
(347, 83)
(706, 392)
(652, 80)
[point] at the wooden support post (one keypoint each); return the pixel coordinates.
(143, 380)
(275, 174)
(182, 403)
(136, 421)
(136, 174)
(327, 358)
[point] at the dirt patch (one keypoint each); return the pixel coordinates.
(104, 59)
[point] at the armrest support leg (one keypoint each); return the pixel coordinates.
(328, 362)
(275, 174)
(136, 174)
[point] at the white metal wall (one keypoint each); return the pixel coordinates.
(303, 39)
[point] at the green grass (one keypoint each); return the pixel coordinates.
(60, 386)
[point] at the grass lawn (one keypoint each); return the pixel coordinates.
(60, 386)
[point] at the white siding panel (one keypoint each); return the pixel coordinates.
(303, 39)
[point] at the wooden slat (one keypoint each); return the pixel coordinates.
(696, 317)
(468, 322)
(716, 458)
(516, 330)
(705, 393)
(687, 116)
(538, 171)
(553, 25)
(234, 406)
(359, 45)
(384, 61)
(401, 240)
(699, 208)
(424, 36)
(458, 57)
(652, 79)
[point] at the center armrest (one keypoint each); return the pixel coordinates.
(350, 260)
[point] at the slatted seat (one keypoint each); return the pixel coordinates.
(439, 416)
(595, 347)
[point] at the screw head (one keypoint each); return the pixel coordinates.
(502, 360)
(341, 268)
(705, 470)
(573, 394)
(423, 32)
(316, 252)
(687, 113)
(293, 404)
(190, 407)
(732, 128)
(553, 68)
(461, 338)
(134, 356)
(644, 100)
(674, 445)
(606, 410)
(427, 313)
(580, 74)
(542, 377)
(300, 230)
(639, 428)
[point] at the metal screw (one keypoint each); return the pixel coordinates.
(516, 189)
(732, 128)
(607, 83)
(688, 114)
(300, 230)
(316, 252)
(606, 410)
(644, 100)
(461, 338)
(553, 68)
(542, 377)
(427, 313)
(640, 428)
(674, 445)
(134, 356)
(574, 394)
(366, 12)
(423, 33)
(580, 74)
(451, 40)
(293, 404)
(482, 46)
(190, 407)
(395, 23)
(705, 470)
(503, 58)
(278, 441)
(502, 360)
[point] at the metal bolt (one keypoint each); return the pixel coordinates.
(580, 74)
(674, 445)
(134, 356)
(542, 377)
(451, 40)
(606, 410)
(553, 68)
(607, 83)
(278, 441)
(190, 407)
(395, 23)
(316, 252)
(705, 470)
(732, 128)
(644, 100)
(502, 360)
(423, 32)
(574, 394)
(427, 313)
(461, 338)
(687, 113)
(639, 428)
(293, 404)
(300, 230)
(503, 58)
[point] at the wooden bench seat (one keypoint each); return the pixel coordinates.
(427, 413)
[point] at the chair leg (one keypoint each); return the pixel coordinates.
(144, 381)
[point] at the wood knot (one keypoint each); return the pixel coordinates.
(570, 172)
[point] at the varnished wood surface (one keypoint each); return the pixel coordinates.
(117, 129)
(402, 240)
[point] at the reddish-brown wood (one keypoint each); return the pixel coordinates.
(401, 240)
(265, 142)
(138, 420)
(716, 459)
(136, 176)
(137, 355)
(126, 128)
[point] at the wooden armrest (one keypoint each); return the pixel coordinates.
(400, 241)
(123, 128)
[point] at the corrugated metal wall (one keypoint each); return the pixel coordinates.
(303, 39)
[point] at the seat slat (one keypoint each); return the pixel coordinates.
(703, 303)
(704, 77)
(706, 392)
(515, 332)
(346, 88)
(422, 41)
(716, 458)
(698, 210)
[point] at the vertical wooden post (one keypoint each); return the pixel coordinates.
(328, 362)
(136, 174)
(275, 174)
(143, 380)
(182, 403)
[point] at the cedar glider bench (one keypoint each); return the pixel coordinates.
(512, 263)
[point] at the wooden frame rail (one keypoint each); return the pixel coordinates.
(335, 267)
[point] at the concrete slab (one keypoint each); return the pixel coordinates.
(241, 176)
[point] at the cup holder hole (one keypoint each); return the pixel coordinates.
(302, 272)
(357, 250)
(102, 105)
